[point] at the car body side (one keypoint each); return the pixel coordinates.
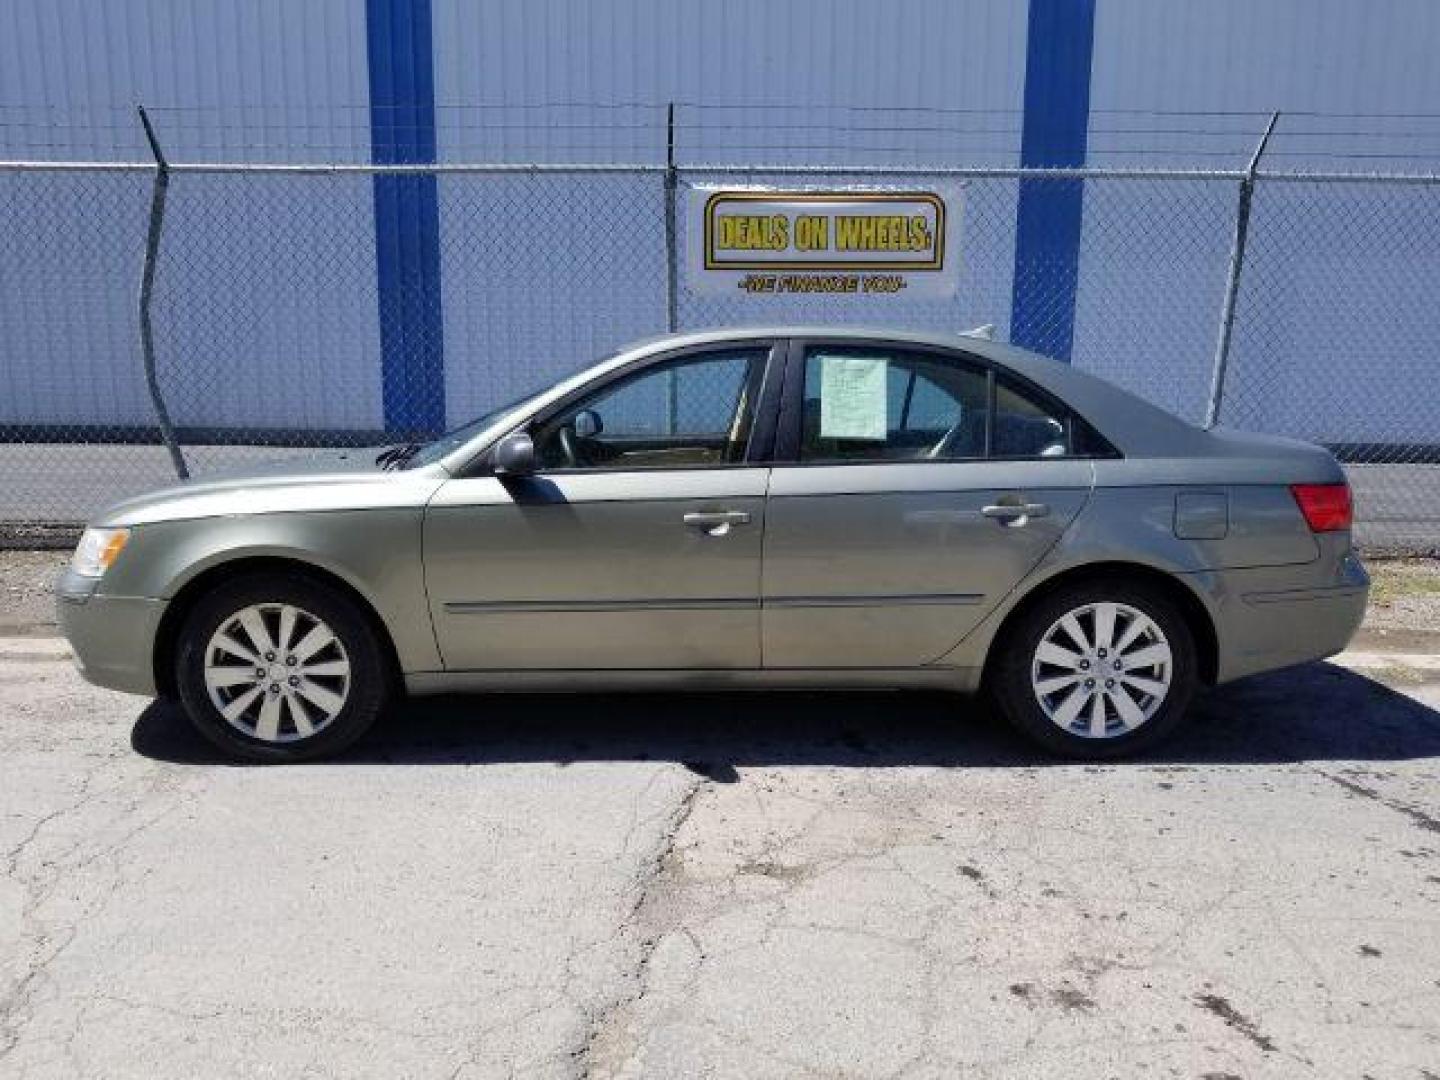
(1208, 513)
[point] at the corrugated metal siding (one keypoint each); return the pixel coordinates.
(256, 79)
(1358, 90)
(268, 284)
(1337, 68)
(1320, 55)
(755, 81)
(292, 306)
(806, 52)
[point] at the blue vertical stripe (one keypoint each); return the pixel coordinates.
(400, 54)
(1058, 51)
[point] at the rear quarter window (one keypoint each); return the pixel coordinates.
(1028, 424)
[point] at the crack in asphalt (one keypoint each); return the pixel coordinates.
(1423, 820)
(782, 857)
(652, 871)
(955, 921)
(1236, 1020)
(49, 944)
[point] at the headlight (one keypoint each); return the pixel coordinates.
(97, 549)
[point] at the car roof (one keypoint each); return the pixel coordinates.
(1132, 424)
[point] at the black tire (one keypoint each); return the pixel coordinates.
(1009, 682)
(370, 677)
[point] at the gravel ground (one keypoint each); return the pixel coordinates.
(27, 599)
(761, 885)
(1404, 611)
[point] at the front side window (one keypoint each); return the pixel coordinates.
(688, 412)
(878, 404)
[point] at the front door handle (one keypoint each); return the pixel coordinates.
(1016, 513)
(716, 522)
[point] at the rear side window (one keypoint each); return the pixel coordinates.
(1085, 441)
(1026, 425)
(872, 403)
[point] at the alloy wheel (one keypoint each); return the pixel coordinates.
(1101, 670)
(276, 672)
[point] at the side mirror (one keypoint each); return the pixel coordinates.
(514, 455)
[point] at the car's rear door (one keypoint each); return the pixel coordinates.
(636, 545)
(912, 489)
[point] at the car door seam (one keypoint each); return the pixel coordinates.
(1039, 562)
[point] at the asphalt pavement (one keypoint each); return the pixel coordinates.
(735, 885)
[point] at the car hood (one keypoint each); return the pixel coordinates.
(341, 480)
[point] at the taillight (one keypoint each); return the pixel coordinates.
(1326, 507)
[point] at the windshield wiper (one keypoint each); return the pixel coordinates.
(394, 457)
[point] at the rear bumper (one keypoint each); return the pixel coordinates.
(113, 637)
(1263, 627)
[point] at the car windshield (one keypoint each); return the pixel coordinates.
(457, 437)
(428, 453)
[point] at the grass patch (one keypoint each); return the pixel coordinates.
(1397, 579)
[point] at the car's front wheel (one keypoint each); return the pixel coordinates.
(278, 667)
(1097, 670)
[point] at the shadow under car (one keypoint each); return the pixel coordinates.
(1312, 712)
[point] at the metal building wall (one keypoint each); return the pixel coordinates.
(1333, 67)
(291, 269)
(225, 80)
(1191, 85)
(1329, 56)
(755, 80)
(758, 52)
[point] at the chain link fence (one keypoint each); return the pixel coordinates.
(1336, 335)
(270, 336)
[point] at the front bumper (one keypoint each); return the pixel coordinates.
(1264, 627)
(113, 637)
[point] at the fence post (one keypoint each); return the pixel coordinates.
(671, 241)
(672, 319)
(147, 288)
(1232, 279)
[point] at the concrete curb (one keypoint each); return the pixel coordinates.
(34, 648)
(1369, 659)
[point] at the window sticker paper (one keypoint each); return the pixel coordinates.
(852, 397)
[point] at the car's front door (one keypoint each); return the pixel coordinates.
(637, 543)
(912, 490)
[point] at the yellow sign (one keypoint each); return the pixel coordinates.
(865, 241)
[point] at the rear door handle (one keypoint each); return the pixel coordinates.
(1016, 513)
(716, 522)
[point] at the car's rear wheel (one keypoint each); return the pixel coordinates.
(1097, 670)
(280, 668)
